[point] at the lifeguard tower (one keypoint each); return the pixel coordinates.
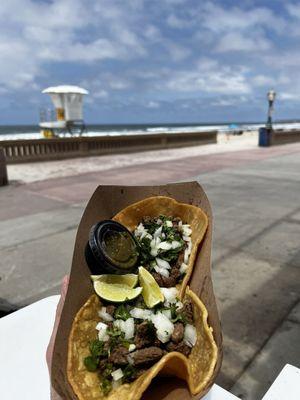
(67, 116)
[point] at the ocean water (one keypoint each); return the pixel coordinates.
(12, 132)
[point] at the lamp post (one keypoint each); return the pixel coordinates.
(271, 98)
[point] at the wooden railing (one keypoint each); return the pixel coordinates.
(17, 151)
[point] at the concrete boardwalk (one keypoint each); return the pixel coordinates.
(256, 254)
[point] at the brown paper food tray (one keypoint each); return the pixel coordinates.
(104, 204)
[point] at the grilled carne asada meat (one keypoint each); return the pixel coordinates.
(164, 281)
(149, 355)
(181, 347)
(118, 356)
(188, 311)
(145, 335)
(178, 332)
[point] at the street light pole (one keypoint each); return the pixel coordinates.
(271, 98)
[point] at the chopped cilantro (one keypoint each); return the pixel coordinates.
(97, 348)
(91, 363)
(122, 313)
(116, 337)
(108, 370)
(129, 372)
(176, 316)
(106, 386)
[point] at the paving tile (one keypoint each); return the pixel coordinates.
(250, 297)
(19, 201)
(30, 269)
(27, 228)
(280, 350)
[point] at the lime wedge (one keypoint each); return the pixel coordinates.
(151, 291)
(116, 293)
(129, 280)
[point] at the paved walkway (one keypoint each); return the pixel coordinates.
(256, 255)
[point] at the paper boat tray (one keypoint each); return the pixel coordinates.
(104, 204)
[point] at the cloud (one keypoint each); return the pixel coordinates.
(293, 9)
(174, 22)
(235, 41)
(210, 77)
(219, 19)
(153, 104)
(177, 52)
(263, 80)
(289, 96)
(53, 32)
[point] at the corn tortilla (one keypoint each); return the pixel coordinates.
(196, 370)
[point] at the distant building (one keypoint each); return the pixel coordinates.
(67, 116)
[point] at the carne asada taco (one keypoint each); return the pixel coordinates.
(122, 339)
(188, 220)
(125, 374)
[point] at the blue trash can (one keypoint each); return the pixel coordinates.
(264, 137)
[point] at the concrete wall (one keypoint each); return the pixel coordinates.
(281, 136)
(17, 151)
(3, 169)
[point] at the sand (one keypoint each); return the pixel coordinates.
(32, 172)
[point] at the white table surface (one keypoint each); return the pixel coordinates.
(286, 385)
(24, 336)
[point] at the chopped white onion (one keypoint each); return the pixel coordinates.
(102, 335)
(165, 246)
(140, 229)
(140, 313)
(159, 221)
(186, 238)
(190, 335)
(170, 295)
(183, 268)
(162, 271)
(154, 252)
(117, 374)
(169, 224)
(175, 244)
(162, 263)
(154, 246)
(126, 326)
(179, 305)
(104, 315)
(129, 328)
(180, 224)
(131, 347)
(164, 327)
(186, 230)
(158, 232)
(167, 313)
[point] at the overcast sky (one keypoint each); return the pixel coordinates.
(152, 60)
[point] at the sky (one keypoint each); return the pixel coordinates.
(151, 61)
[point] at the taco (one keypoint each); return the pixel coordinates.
(116, 349)
(193, 222)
